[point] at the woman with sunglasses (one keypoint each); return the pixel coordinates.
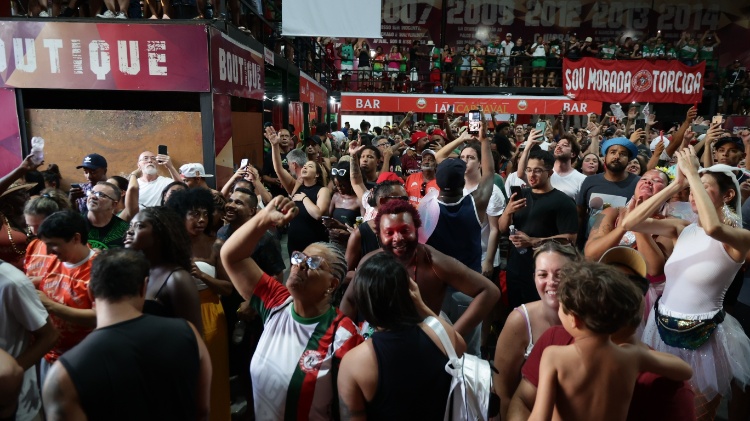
(526, 323)
(344, 208)
(607, 232)
(689, 319)
(294, 367)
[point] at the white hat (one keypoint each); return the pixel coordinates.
(193, 170)
(656, 140)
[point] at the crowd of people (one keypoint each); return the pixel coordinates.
(501, 61)
(139, 297)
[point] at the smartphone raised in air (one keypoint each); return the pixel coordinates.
(475, 122)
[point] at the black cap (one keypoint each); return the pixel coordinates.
(733, 139)
(450, 175)
(93, 161)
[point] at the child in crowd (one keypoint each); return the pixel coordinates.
(593, 378)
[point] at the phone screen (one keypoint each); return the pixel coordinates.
(640, 124)
(243, 163)
(541, 126)
(718, 119)
(475, 122)
(162, 150)
(516, 190)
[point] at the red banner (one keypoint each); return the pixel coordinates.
(312, 92)
(394, 103)
(236, 69)
(111, 56)
(633, 80)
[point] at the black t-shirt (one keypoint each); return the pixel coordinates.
(268, 170)
(573, 51)
(394, 166)
(413, 57)
(109, 236)
(518, 54)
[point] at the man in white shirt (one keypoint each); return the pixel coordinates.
(150, 183)
(566, 178)
(506, 46)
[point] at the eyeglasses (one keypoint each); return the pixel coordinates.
(313, 262)
(99, 195)
(536, 171)
(383, 144)
(338, 172)
(422, 190)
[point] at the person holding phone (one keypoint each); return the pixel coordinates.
(150, 183)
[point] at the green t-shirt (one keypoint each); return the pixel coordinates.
(706, 52)
(671, 53)
(492, 52)
(658, 51)
(347, 54)
(687, 51)
(647, 51)
(109, 236)
(609, 52)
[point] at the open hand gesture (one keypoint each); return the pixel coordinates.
(272, 136)
(279, 211)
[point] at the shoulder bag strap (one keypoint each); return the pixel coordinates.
(439, 330)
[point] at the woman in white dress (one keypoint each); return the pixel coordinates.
(689, 320)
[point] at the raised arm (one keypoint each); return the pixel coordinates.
(736, 240)
(639, 219)
(355, 172)
(131, 197)
(236, 254)
(226, 191)
(286, 179)
(677, 138)
(260, 189)
(446, 150)
(166, 161)
(484, 191)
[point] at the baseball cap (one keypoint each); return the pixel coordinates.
(429, 151)
(508, 34)
(589, 39)
(450, 175)
(734, 140)
(440, 133)
(93, 161)
(625, 256)
(621, 141)
(389, 176)
(416, 136)
(193, 170)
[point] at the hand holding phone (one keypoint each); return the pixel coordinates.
(243, 163)
(162, 150)
(717, 120)
(541, 126)
(515, 190)
(475, 122)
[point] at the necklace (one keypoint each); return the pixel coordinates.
(10, 236)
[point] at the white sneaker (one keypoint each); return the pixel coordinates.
(121, 15)
(107, 15)
(43, 14)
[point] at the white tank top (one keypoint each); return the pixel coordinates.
(698, 272)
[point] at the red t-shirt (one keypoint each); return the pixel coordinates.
(69, 286)
(414, 187)
(654, 397)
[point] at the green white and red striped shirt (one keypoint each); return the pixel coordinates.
(293, 368)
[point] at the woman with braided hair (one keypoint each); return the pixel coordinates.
(295, 365)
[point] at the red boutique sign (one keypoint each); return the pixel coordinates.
(236, 69)
(633, 80)
(312, 92)
(111, 56)
(461, 104)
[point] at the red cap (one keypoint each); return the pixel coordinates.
(440, 133)
(389, 176)
(416, 136)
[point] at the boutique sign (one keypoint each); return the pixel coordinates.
(108, 56)
(633, 80)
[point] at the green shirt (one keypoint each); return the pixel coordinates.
(492, 51)
(609, 52)
(687, 51)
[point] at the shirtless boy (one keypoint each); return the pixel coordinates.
(593, 378)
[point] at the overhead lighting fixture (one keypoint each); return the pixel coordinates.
(279, 98)
(333, 100)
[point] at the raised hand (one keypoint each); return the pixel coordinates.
(272, 136)
(279, 211)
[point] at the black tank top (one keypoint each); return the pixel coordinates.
(156, 307)
(304, 229)
(145, 368)
(346, 216)
(367, 239)
(364, 58)
(412, 381)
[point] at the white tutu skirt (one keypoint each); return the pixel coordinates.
(725, 356)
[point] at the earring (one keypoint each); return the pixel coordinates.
(729, 217)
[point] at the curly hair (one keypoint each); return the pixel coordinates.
(600, 295)
(169, 186)
(169, 229)
(184, 201)
(394, 207)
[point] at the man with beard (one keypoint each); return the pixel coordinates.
(106, 230)
(539, 214)
(412, 162)
(614, 187)
(419, 184)
(270, 178)
(150, 183)
(312, 148)
(566, 178)
(397, 224)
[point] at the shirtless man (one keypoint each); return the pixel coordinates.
(397, 223)
(594, 378)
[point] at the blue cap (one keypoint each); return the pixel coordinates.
(622, 142)
(93, 161)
